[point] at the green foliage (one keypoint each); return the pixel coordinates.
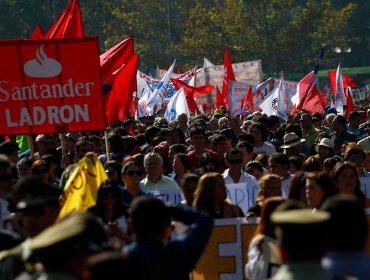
(284, 34)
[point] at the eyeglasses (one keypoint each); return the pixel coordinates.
(236, 161)
(132, 173)
(37, 211)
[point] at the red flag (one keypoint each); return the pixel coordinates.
(347, 81)
(312, 102)
(350, 106)
(117, 102)
(303, 88)
(113, 59)
(219, 101)
(324, 100)
(37, 33)
(191, 93)
(68, 23)
(228, 75)
(248, 101)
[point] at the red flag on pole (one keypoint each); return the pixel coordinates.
(191, 93)
(347, 81)
(248, 101)
(312, 102)
(117, 102)
(350, 106)
(68, 24)
(228, 75)
(219, 101)
(37, 33)
(113, 59)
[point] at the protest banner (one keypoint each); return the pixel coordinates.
(242, 195)
(50, 86)
(227, 250)
(171, 196)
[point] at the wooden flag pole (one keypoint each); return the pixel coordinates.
(106, 144)
(30, 145)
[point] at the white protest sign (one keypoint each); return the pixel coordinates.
(171, 196)
(242, 195)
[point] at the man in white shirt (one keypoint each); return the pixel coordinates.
(154, 180)
(235, 175)
(278, 164)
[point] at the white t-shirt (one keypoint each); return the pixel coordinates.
(266, 148)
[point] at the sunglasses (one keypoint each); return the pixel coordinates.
(131, 173)
(37, 211)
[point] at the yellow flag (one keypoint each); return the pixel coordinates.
(82, 186)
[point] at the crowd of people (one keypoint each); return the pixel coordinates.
(311, 173)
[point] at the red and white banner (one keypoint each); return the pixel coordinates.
(50, 86)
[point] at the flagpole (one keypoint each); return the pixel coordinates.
(30, 145)
(106, 144)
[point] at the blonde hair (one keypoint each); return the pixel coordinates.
(264, 183)
(203, 196)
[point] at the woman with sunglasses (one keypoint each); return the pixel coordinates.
(131, 177)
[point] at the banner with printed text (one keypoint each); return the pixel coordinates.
(50, 86)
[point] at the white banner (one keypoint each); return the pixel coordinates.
(242, 196)
(171, 196)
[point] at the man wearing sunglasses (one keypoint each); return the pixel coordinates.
(235, 175)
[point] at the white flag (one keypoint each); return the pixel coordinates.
(177, 106)
(159, 91)
(207, 63)
(339, 91)
(274, 103)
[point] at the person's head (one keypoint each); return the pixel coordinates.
(254, 168)
(319, 186)
(278, 163)
(150, 133)
(246, 149)
(295, 164)
(10, 149)
(297, 187)
(354, 119)
(218, 143)
(346, 180)
(40, 169)
(197, 137)
(37, 203)
(113, 170)
(246, 126)
(230, 137)
(178, 135)
(263, 159)
(24, 167)
(234, 160)
(209, 161)
(329, 164)
(325, 148)
(273, 123)
(223, 122)
(301, 234)
(176, 149)
(132, 174)
(150, 219)
(153, 165)
(182, 119)
(108, 196)
(188, 186)
(270, 185)
(339, 123)
(355, 154)
(348, 227)
(259, 132)
(306, 121)
(329, 119)
(312, 164)
(181, 164)
(292, 144)
(265, 226)
(211, 190)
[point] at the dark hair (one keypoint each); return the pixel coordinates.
(263, 159)
(254, 164)
(281, 158)
(185, 160)
(354, 115)
(150, 133)
(233, 152)
(296, 128)
(245, 144)
(353, 148)
(246, 137)
(348, 227)
(325, 182)
(117, 166)
(297, 186)
(196, 130)
(312, 164)
(127, 165)
(265, 226)
(272, 121)
(297, 162)
(338, 169)
(229, 134)
(263, 128)
(341, 120)
(180, 132)
(189, 178)
(215, 139)
(149, 217)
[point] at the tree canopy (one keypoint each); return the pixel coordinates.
(284, 34)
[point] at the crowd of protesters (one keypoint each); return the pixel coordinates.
(308, 159)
